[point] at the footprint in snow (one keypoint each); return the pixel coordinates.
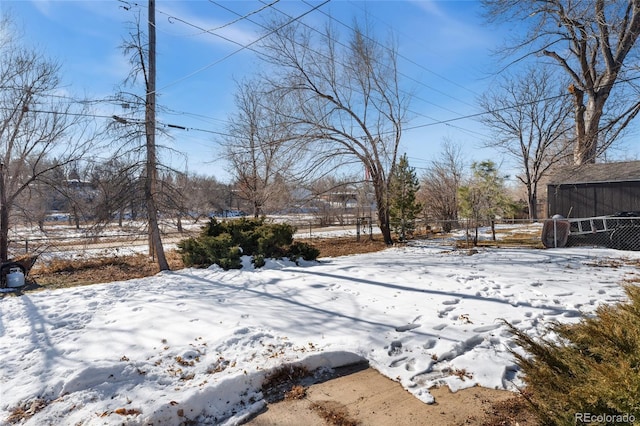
(429, 344)
(442, 313)
(486, 328)
(407, 327)
(395, 348)
(397, 362)
(410, 365)
(451, 301)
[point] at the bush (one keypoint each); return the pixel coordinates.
(206, 250)
(273, 239)
(232, 259)
(304, 250)
(258, 261)
(224, 243)
(589, 367)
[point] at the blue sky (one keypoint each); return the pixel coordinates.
(445, 58)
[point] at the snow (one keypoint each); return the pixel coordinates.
(197, 344)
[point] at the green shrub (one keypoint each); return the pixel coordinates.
(224, 243)
(258, 261)
(207, 250)
(589, 367)
(273, 239)
(232, 259)
(305, 250)
(213, 228)
(193, 252)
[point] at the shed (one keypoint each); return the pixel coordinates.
(595, 190)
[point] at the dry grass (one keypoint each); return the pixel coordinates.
(523, 241)
(284, 383)
(296, 392)
(333, 413)
(26, 411)
(343, 246)
(70, 273)
(78, 272)
(512, 412)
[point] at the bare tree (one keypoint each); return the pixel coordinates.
(118, 190)
(204, 195)
(529, 122)
(440, 183)
(592, 41)
(35, 126)
(348, 104)
(260, 149)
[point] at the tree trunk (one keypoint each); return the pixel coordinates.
(587, 119)
(383, 210)
(4, 217)
(4, 231)
(533, 206)
(532, 200)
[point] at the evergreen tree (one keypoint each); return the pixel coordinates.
(403, 205)
(484, 197)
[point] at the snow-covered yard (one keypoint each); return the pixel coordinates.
(197, 344)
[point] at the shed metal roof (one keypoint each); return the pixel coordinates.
(623, 171)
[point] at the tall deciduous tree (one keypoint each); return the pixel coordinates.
(404, 208)
(260, 149)
(347, 101)
(119, 190)
(439, 186)
(529, 122)
(35, 126)
(594, 42)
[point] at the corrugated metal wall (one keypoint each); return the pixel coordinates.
(593, 199)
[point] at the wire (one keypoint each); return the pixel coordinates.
(408, 60)
(121, 120)
(243, 47)
(171, 18)
(448, 80)
(385, 47)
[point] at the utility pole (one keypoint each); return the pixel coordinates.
(150, 186)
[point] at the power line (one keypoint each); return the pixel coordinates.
(121, 120)
(408, 60)
(243, 47)
(448, 80)
(171, 18)
(378, 44)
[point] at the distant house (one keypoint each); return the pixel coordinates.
(595, 190)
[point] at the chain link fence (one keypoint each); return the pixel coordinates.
(59, 241)
(66, 241)
(620, 231)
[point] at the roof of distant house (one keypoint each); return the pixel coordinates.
(623, 171)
